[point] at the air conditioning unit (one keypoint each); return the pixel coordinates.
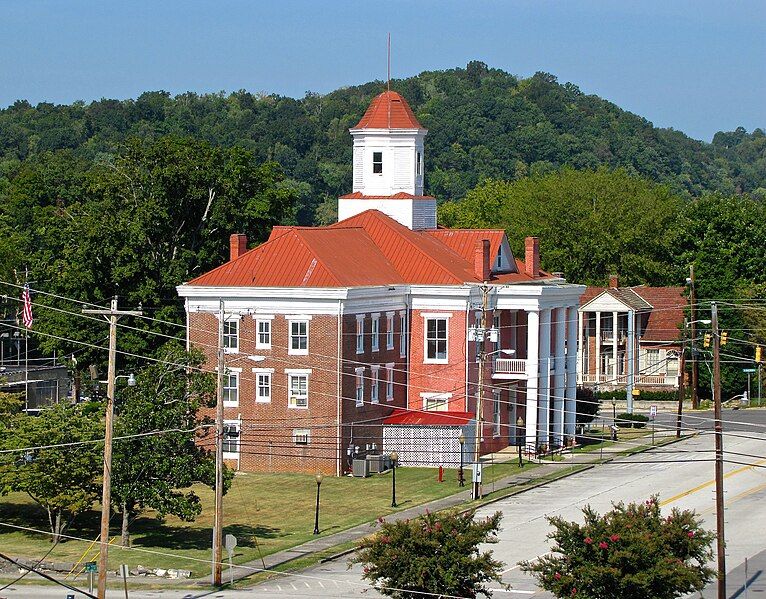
(376, 463)
(361, 468)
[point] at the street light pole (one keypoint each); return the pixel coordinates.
(719, 516)
(460, 473)
(218, 518)
(520, 427)
(394, 459)
(112, 315)
(319, 478)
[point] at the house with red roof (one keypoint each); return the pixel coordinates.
(362, 337)
(617, 324)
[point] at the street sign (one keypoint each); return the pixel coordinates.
(230, 542)
(652, 411)
(91, 567)
(750, 370)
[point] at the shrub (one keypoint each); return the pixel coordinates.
(626, 420)
(436, 554)
(631, 552)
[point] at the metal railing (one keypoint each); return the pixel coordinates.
(510, 366)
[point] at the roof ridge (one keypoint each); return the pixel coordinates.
(319, 260)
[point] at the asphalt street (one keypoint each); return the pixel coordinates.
(681, 473)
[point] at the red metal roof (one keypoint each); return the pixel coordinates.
(463, 241)
(369, 248)
(429, 418)
(389, 110)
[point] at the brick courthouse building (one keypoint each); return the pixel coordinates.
(333, 334)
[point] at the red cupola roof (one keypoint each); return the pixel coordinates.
(389, 110)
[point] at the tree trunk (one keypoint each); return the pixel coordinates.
(57, 531)
(125, 536)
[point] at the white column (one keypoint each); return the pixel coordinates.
(533, 352)
(580, 349)
(598, 347)
(543, 402)
(570, 404)
(615, 321)
(559, 388)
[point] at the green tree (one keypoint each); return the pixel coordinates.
(436, 554)
(64, 481)
(631, 552)
(590, 223)
(156, 471)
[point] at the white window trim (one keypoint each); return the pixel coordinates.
(258, 320)
(298, 370)
(375, 383)
(446, 397)
(375, 332)
(233, 372)
(263, 372)
(229, 317)
(234, 455)
(403, 335)
(426, 359)
(496, 403)
(389, 330)
(359, 378)
(359, 333)
(302, 432)
(290, 404)
(390, 381)
(290, 350)
(436, 314)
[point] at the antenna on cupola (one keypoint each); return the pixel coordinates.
(388, 80)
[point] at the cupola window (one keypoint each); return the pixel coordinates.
(377, 162)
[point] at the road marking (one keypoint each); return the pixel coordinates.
(519, 565)
(709, 483)
(513, 591)
(320, 583)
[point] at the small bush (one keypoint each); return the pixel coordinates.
(626, 420)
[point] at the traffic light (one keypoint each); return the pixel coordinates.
(758, 353)
(706, 340)
(724, 337)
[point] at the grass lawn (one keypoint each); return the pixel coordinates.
(266, 512)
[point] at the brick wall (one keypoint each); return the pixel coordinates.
(266, 435)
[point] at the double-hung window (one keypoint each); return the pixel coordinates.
(389, 382)
(389, 331)
(263, 333)
(402, 335)
(299, 337)
(230, 389)
(359, 386)
(262, 384)
(377, 163)
(375, 384)
(436, 339)
(298, 388)
(231, 334)
(230, 440)
(375, 334)
(360, 334)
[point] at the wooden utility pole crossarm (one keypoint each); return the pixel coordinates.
(111, 315)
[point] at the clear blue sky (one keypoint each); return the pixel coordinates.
(698, 66)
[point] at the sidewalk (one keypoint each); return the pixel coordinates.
(544, 470)
(738, 583)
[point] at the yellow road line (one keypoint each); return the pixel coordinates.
(709, 483)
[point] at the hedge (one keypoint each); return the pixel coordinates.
(626, 420)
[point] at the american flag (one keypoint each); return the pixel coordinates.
(26, 315)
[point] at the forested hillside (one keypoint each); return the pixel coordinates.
(484, 123)
(134, 197)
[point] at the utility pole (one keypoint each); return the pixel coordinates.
(631, 359)
(218, 521)
(720, 539)
(681, 387)
(481, 334)
(695, 361)
(111, 315)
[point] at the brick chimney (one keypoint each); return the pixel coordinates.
(482, 264)
(532, 256)
(613, 282)
(237, 245)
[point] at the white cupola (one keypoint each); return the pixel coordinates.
(388, 165)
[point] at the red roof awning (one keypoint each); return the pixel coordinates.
(429, 418)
